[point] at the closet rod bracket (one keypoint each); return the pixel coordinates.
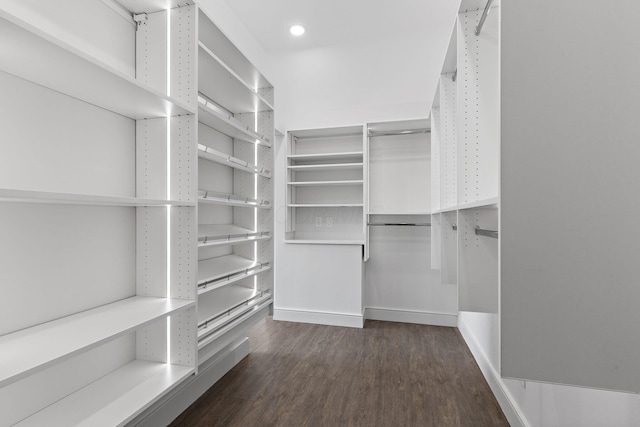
(483, 17)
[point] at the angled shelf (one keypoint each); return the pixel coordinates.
(29, 196)
(219, 81)
(224, 199)
(24, 354)
(216, 118)
(114, 399)
(350, 155)
(326, 183)
(325, 167)
(229, 303)
(491, 203)
(225, 234)
(216, 156)
(214, 273)
(75, 73)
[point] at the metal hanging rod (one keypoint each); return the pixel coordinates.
(399, 132)
(337, 135)
(483, 17)
(488, 233)
(401, 224)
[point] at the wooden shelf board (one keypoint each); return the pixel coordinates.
(327, 156)
(325, 205)
(30, 196)
(227, 124)
(36, 56)
(331, 166)
(215, 268)
(326, 183)
(23, 352)
(114, 399)
(324, 242)
(219, 82)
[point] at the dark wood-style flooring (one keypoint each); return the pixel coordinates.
(387, 375)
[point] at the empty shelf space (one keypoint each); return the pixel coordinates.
(225, 305)
(325, 166)
(36, 56)
(216, 118)
(30, 196)
(320, 157)
(23, 352)
(213, 197)
(325, 242)
(325, 183)
(226, 234)
(214, 273)
(216, 156)
(221, 83)
(491, 203)
(114, 399)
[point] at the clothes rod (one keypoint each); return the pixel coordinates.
(337, 135)
(401, 224)
(483, 17)
(487, 233)
(401, 132)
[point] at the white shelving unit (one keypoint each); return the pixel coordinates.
(325, 186)
(235, 247)
(99, 316)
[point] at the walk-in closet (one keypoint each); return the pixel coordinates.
(244, 212)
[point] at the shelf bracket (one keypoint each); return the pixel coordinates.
(140, 19)
(487, 233)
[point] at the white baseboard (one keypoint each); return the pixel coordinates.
(169, 408)
(506, 402)
(406, 316)
(319, 317)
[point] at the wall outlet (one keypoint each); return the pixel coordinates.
(329, 221)
(318, 221)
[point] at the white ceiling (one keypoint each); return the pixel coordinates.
(336, 21)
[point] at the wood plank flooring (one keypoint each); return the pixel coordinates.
(387, 374)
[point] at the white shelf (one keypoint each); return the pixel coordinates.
(219, 157)
(114, 399)
(491, 203)
(29, 196)
(325, 183)
(219, 82)
(231, 200)
(325, 242)
(23, 352)
(217, 272)
(26, 50)
(229, 303)
(326, 156)
(226, 234)
(325, 205)
(327, 166)
(399, 213)
(224, 122)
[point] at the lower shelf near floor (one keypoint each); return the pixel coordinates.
(221, 307)
(114, 399)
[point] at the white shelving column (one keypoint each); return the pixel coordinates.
(99, 304)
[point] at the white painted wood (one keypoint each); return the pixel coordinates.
(321, 318)
(319, 157)
(219, 82)
(23, 353)
(491, 203)
(43, 197)
(569, 277)
(205, 196)
(408, 316)
(114, 399)
(215, 268)
(210, 154)
(224, 122)
(449, 255)
(211, 36)
(356, 182)
(325, 205)
(234, 326)
(327, 166)
(74, 72)
(400, 173)
(326, 242)
(448, 142)
(435, 158)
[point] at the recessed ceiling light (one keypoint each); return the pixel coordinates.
(297, 30)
